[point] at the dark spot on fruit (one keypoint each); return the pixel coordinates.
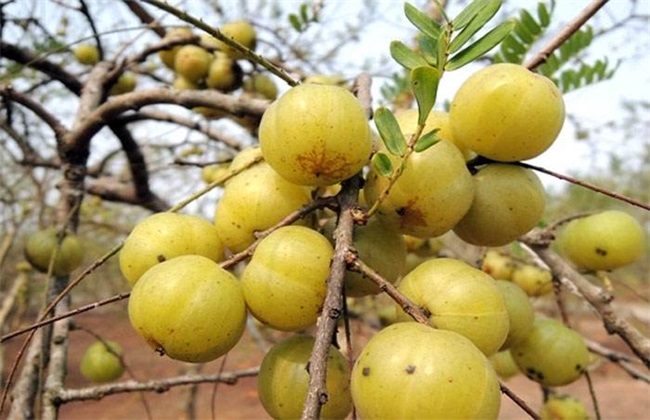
(401, 211)
(365, 371)
(535, 375)
(601, 252)
(579, 368)
(410, 369)
(161, 258)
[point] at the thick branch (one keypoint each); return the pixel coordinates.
(99, 392)
(110, 189)
(599, 299)
(145, 17)
(333, 305)
(38, 109)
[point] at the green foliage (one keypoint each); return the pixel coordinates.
(527, 30)
(424, 82)
(390, 132)
(301, 20)
(381, 163)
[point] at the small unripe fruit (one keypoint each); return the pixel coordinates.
(507, 113)
(262, 85)
(100, 363)
(224, 74)
(563, 407)
(125, 83)
(168, 56)
(504, 365)
(534, 280)
(42, 245)
(498, 265)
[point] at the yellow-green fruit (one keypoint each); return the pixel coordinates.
(241, 32)
(224, 74)
(507, 113)
(509, 201)
(125, 83)
(192, 62)
(211, 173)
(255, 200)
(316, 135)
(520, 312)
(188, 308)
(284, 283)
(504, 365)
(412, 371)
(163, 236)
(533, 280)
(261, 85)
(433, 193)
(86, 54)
(100, 363)
(498, 265)
(168, 56)
(460, 298)
(551, 354)
(563, 407)
(181, 83)
(603, 241)
(284, 378)
(41, 246)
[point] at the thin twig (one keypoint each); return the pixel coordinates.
(587, 185)
(561, 37)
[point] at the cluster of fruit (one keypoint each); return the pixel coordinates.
(185, 305)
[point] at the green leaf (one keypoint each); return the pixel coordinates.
(527, 20)
(429, 50)
(543, 14)
(424, 82)
(303, 12)
(482, 46)
(405, 56)
(479, 20)
(424, 23)
(465, 17)
(295, 22)
(523, 34)
(511, 43)
(390, 132)
(443, 44)
(427, 141)
(382, 164)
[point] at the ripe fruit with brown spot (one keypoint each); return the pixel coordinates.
(315, 135)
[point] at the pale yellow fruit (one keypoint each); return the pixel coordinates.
(192, 62)
(211, 173)
(284, 283)
(315, 135)
(163, 236)
(520, 312)
(240, 31)
(433, 193)
(181, 83)
(255, 200)
(498, 265)
(603, 241)
(86, 54)
(188, 308)
(509, 201)
(325, 79)
(412, 371)
(224, 74)
(460, 298)
(533, 280)
(168, 56)
(507, 113)
(44, 244)
(283, 380)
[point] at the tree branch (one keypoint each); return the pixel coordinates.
(561, 37)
